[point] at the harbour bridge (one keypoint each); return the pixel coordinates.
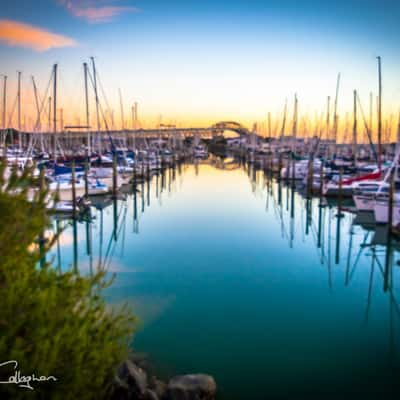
(73, 136)
(164, 130)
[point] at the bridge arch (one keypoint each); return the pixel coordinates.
(232, 126)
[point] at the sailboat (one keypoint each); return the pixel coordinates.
(364, 184)
(374, 196)
(97, 188)
(346, 188)
(381, 209)
(365, 193)
(381, 200)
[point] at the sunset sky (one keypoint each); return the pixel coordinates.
(200, 62)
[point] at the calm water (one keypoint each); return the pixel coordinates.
(231, 278)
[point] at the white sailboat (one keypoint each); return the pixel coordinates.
(365, 193)
(381, 200)
(381, 209)
(64, 188)
(366, 197)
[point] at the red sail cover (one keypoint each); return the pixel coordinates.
(372, 176)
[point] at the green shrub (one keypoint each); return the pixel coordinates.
(52, 323)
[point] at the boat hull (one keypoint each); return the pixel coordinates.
(364, 203)
(381, 212)
(335, 191)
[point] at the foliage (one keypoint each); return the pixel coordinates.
(53, 323)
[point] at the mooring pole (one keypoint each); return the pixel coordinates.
(74, 216)
(114, 181)
(389, 231)
(86, 178)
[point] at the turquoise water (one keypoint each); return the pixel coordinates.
(231, 278)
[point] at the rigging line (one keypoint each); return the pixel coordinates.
(368, 129)
(353, 269)
(108, 259)
(103, 115)
(109, 247)
(279, 216)
(283, 226)
(351, 233)
(303, 222)
(371, 281)
(121, 226)
(11, 115)
(392, 297)
(314, 234)
(37, 98)
(103, 91)
(108, 251)
(124, 232)
(313, 229)
(102, 267)
(44, 101)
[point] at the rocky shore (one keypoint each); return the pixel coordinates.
(133, 381)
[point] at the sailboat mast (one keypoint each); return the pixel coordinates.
(85, 71)
(61, 119)
(19, 109)
(55, 110)
(371, 106)
(335, 116)
(328, 116)
(37, 125)
(284, 121)
(269, 125)
(4, 101)
(96, 95)
(49, 116)
(294, 129)
(355, 127)
(136, 115)
(379, 113)
(295, 116)
(398, 130)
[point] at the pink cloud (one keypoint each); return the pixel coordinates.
(14, 33)
(95, 11)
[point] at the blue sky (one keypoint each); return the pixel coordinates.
(198, 62)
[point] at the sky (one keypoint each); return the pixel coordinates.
(195, 63)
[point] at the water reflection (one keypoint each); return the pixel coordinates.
(227, 259)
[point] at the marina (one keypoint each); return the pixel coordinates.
(196, 254)
(79, 162)
(199, 200)
(202, 230)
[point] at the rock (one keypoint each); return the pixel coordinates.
(192, 387)
(141, 360)
(159, 387)
(134, 377)
(150, 395)
(120, 390)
